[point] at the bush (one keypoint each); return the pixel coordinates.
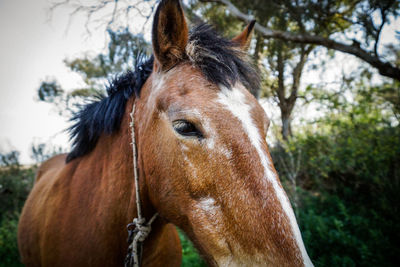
(9, 255)
(190, 257)
(347, 191)
(15, 184)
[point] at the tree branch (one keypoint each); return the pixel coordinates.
(281, 80)
(384, 68)
(380, 28)
(297, 71)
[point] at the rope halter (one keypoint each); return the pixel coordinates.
(138, 229)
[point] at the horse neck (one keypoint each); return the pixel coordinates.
(111, 162)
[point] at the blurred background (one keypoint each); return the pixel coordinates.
(330, 85)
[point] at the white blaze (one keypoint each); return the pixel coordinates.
(235, 101)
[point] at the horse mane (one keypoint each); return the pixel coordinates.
(104, 115)
(220, 60)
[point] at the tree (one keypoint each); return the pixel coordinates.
(123, 49)
(345, 17)
(295, 21)
(323, 19)
(331, 24)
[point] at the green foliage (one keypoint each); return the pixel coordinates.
(358, 96)
(348, 185)
(123, 49)
(340, 233)
(9, 256)
(15, 184)
(190, 257)
(49, 90)
(217, 16)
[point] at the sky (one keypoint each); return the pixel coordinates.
(32, 49)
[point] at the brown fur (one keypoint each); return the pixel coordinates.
(76, 214)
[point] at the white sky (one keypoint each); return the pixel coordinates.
(32, 49)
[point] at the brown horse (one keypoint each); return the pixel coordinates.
(203, 164)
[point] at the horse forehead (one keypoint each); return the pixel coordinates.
(186, 80)
(190, 84)
(186, 87)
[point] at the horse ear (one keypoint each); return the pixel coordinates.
(170, 34)
(244, 38)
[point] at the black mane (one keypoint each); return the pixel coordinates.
(105, 114)
(219, 59)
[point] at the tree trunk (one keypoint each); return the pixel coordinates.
(257, 62)
(286, 125)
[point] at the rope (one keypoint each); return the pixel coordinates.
(138, 229)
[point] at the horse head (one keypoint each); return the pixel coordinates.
(202, 150)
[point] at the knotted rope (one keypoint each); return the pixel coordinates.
(138, 229)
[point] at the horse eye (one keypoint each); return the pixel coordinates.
(186, 128)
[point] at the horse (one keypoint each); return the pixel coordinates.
(202, 161)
